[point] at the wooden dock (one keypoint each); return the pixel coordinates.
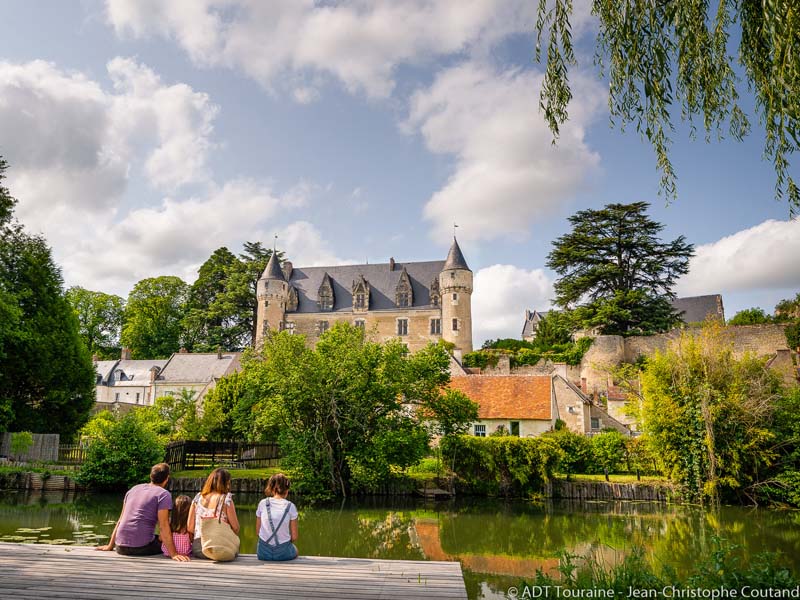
(47, 571)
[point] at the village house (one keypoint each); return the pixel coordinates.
(125, 383)
(529, 405)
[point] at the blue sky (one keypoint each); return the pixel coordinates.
(143, 135)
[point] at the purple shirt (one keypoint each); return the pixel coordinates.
(138, 523)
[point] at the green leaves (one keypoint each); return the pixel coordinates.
(665, 57)
(153, 317)
(616, 272)
(99, 320)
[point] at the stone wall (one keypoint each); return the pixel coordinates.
(382, 324)
(571, 407)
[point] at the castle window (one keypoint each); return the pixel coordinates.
(289, 326)
(325, 294)
(480, 430)
(323, 326)
(403, 292)
(360, 300)
(455, 298)
(455, 324)
(435, 292)
(434, 300)
(402, 327)
(436, 326)
(595, 423)
(137, 397)
(360, 323)
(360, 293)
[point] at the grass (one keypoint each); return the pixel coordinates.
(615, 478)
(264, 473)
(52, 470)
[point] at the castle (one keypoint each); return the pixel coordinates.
(418, 302)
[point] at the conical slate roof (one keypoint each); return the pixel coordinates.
(455, 258)
(273, 270)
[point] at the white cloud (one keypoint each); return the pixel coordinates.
(304, 246)
(763, 257)
(71, 143)
(501, 295)
(359, 43)
(507, 173)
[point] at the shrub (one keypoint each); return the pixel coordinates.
(608, 450)
(576, 451)
(508, 466)
(21, 442)
(122, 457)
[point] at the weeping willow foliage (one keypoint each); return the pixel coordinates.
(659, 55)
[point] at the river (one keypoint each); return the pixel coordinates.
(497, 542)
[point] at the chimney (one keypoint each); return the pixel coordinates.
(219, 352)
(287, 270)
(584, 386)
(154, 371)
(391, 263)
(183, 351)
(126, 354)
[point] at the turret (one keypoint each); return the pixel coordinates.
(455, 287)
(273, 295)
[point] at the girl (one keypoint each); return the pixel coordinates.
(178, 525)
(216, 490)
(276, 521)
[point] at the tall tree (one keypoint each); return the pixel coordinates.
(99, 320)
(153, 317)
(46, 373)
(665, 56)
(212, 319)
(616, 272)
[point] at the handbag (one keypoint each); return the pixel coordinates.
(220, 543)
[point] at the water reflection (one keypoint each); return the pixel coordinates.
(497, 542)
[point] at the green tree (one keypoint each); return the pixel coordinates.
(121, 457)
(576, 451)
(708, 414)
(553, 329)
(616, 272)
(212, 319)
(608, 450)
(661, 57)
(750, 316)
(338, 408)
(219, 408)
(173, 417)
(787, 310)
(99, 320)
(47, 376)
(21, 442)
(153, 317)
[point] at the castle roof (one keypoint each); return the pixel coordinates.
(382, 279)
(508, 396)
(532, 318)
(455, 258)
(696, 309)
(273, 270)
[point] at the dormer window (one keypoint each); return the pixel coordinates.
(292, 300)
(325, 294)
(435, 292)
(360, 292)
(404, 292)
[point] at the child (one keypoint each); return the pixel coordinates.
(276, 521)
(178, 524)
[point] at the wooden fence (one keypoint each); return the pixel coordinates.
(43, 449)
(71, 454)
(231, 455)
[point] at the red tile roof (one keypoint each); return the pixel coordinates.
(508, 396)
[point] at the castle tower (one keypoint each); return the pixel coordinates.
(455, 286)
(272, 294)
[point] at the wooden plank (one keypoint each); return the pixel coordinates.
(40, 570)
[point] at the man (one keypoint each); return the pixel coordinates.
(145, 505)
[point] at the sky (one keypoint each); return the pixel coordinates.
(142, 135)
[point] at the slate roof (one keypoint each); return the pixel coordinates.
(198, 367)
(273, 269)
(104, 368)
(695, 309)
(382, 284)
(137, 372)
(508, 396)
(531, 320)
(455, 258)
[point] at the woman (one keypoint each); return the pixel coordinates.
(216, 492)
(276, 521)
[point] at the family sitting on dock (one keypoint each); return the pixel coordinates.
(205, 527)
